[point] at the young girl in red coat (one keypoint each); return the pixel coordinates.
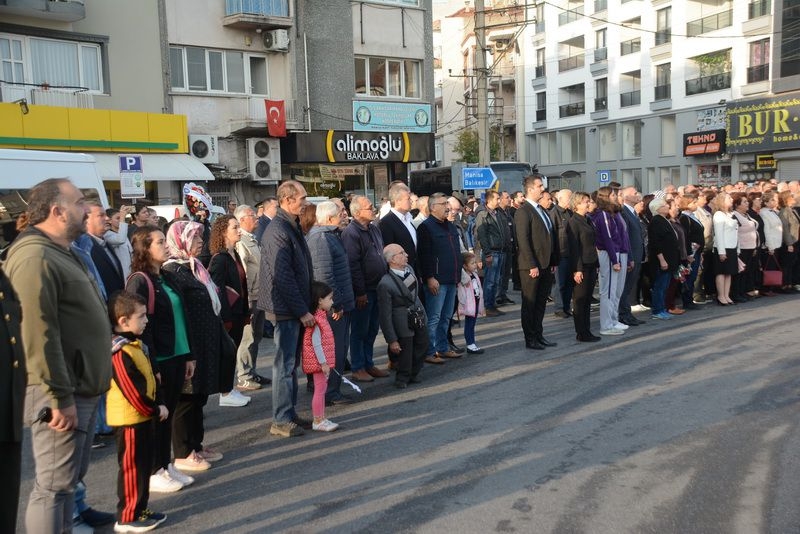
(319, 353)
(470, 300)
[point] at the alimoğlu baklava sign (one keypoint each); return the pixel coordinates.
(763, 125)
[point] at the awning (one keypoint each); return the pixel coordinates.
(158, 167)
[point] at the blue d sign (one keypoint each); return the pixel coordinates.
(604, 176)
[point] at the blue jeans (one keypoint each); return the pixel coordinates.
(659, 291)
(565, 283)
(439, 309)
(363, 331)
(688, 285)
(469, 330)
(491, 278)
(284, 369)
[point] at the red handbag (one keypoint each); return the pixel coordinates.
(772, 277)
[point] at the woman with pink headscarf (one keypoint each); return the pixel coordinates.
(212, 374)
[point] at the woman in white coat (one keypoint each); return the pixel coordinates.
(726, 244)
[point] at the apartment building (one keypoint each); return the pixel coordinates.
(653, 92)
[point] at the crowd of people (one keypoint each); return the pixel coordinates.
(176, 311)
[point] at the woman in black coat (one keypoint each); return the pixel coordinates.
(583, 264)
(664, 253)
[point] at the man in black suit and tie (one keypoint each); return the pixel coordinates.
(630, 197)
(396, 227)
(538, 256)
(104, 259)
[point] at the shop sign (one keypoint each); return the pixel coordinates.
(702, 143)
(370, 116)
(765, 162)
(766, 124)
(366, 146)
(711, 119)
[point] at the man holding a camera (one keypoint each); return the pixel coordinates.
(402, 317)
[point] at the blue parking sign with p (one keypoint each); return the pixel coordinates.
(130, 163)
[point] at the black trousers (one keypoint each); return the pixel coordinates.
(412, 355)
(534, 300)
(10, 472)
(135, 458)
(188, 430)
(582, 302)
(172, 372)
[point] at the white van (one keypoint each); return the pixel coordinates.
(22, 169)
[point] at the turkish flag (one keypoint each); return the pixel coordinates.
(276, 118)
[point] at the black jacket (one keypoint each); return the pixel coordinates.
(364, 246)
(663, 240)
(537, 247)
(439, 251)
(394, 231)
(581, 239)
(560, 217)
(225, 274)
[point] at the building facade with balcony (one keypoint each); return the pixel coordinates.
(619, 90)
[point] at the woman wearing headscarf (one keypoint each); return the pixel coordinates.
(184, 244)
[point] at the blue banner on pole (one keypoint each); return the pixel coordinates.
(477, 178)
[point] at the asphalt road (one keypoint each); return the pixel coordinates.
(683, 426)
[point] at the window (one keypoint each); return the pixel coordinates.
(668, 136)
(573, 145)
(56, 63)
(546, 143)
(539, 18)
(631, 139)
(601, 94)
(377, 76)
(223, 71)
(540, 62)
(600, 51)
(541, 106)
(759, 61)
(663, 26)
(630, 89)
(607, 134)
(663, 88)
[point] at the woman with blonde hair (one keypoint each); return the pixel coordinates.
(726, 244)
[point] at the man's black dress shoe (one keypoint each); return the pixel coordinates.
(534, 345)
(543, 341)
(589, 338)
(630, 321)
(455, 348)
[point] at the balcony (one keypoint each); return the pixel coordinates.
(710, 23)
(600, 5)
(759, 8)
(633, 98)
(253, 14)
(571, 15)
(571, 110)
(663, 92)
(541, 115)
(758, 73)
(663, 36)
(46, 97)
(705, 84)
(539, 71)
(61, 11)
(630, 47)
(570, 63)
(601, 103)
(600, 54)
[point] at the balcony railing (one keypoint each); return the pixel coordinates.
(630, 47)
(46, 97)
(571, 110)
(257, 111)
(541, 115)
(600, 5)
(710, 23)
(663, 92)
(264, 8)
(571, 15)
(705, 84)
(569, 63)
(539, 71)
(601, 103)
(633, 98)
(758, 9)
(601, 54)
(663, 36)
(758, 73)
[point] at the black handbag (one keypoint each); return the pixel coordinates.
(416, 315)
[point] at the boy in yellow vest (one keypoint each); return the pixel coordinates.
(133, 403)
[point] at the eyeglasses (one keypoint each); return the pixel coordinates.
(399, 253)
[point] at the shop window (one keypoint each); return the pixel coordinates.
(631, 139)
(607, 135)
(573, 146)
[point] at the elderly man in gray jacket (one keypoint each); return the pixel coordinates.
(398, 291)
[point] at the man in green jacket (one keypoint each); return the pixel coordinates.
(67, 339)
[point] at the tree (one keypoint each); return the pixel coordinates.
(467, 146)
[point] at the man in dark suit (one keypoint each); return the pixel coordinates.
(104, 259)
(396, 227)
(538, 255)
(630, 197)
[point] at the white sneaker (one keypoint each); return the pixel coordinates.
(234, 399)
(325, 425)
(162, 482)
(639, 308)
(620, 326)
(611, 332)
(186, 480)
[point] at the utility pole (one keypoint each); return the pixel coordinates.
(482, 85)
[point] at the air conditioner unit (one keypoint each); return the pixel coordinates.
(500, 46)
(264, 159)
(204, 147)
(276, 40)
